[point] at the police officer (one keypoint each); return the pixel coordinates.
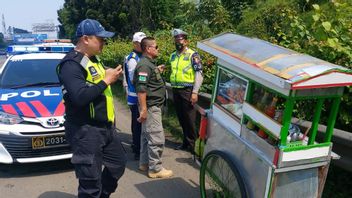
(186, 78)
(89, 124)
(151, 96)
(130, 64)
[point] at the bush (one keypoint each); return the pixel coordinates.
(261, 20)
(325, 33)
(116, 50)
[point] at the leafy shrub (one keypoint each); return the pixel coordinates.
(262, 19)
(321, 31)
(326, 34)
(116, 50)
(236, 7)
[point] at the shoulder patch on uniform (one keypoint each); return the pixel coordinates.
(196, 62)
(92, 71)
(173, 56)
(142, 76)
(196, 59)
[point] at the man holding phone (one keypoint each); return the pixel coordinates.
(90, 117)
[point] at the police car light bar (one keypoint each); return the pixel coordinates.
(23, 49)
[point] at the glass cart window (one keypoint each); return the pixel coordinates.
(231, 93)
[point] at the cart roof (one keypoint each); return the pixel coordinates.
(280, 66)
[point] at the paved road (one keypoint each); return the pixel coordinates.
(57, 179)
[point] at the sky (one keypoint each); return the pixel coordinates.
(23, 13)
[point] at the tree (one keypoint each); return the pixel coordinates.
(160, 14)
(235, 8)
(121, 16)
(215, 15)
(110, 13)
(2, 42)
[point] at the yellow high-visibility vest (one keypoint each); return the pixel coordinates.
(102, 108)
(182, 71)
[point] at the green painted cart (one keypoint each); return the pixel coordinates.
(254, 145)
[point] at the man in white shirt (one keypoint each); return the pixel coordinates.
(130, 64)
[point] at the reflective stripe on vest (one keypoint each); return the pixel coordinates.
(132, 98)
(182, 72)
(101, 109)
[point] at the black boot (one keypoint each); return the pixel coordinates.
(105, 195)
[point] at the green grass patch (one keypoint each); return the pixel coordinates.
(170, 122)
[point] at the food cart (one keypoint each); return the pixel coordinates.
(254, 145)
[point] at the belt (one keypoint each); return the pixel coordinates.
(101, 124)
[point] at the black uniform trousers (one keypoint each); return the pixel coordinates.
(93, 147)
(136, 128)
(186, 114)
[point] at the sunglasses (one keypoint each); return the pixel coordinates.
(156, 47)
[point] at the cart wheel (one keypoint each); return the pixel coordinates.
(219, 177)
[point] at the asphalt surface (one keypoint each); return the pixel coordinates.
(57, 179)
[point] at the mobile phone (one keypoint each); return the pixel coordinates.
(119, 67)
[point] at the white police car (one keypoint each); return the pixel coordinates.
(31, 107)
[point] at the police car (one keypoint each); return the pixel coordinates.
(31, 106)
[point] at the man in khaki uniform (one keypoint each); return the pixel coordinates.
(151, 91)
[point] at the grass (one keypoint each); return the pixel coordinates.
(170, 122)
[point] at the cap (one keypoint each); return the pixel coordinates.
(178, 32)
(138, 36)
(92, 27)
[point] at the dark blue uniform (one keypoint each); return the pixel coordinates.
(94, 143)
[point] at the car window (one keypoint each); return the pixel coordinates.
(21, 72)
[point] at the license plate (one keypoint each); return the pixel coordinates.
(40, 142)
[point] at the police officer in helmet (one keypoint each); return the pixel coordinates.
(90, 116)
(186, 78)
